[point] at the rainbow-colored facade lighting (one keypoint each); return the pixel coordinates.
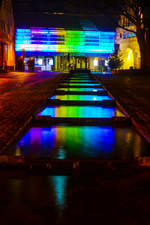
(45, 41)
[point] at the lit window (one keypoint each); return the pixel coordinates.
(106, 62)
(129, 34)
(40, 62)
(133, 34)
(95, 62)
(124, 35)
(51, 62)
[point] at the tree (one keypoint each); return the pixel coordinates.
(115, 61)
(134, 14)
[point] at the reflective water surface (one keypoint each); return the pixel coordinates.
(81, 142)
(81, 111)
(72, 200)
(80, 89)
(80, 81)
(70, 97)
(80, 84)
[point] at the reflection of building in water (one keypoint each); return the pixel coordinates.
(59, 186)
(62, 49)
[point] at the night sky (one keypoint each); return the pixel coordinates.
(97, 12)
(61, 5)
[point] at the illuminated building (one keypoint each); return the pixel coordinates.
(134, 39)
(7, 51)
(131, 47)
(128, 48)
(56, 48)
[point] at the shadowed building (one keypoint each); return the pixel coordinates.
(7, 52)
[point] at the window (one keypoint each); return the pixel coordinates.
(124, 35)
(129, 34)
(133, 34)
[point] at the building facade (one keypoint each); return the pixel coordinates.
(7, 38)
(129, 50)
(60, 49)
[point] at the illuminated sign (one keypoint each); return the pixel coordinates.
(48, 40)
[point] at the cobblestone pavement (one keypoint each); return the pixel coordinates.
(21, 95)
(16, 80)
(120, 197)
(133, 93)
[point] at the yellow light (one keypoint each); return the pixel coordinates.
(128, 59)
(129, 55)
(58, 13)
(95, 62)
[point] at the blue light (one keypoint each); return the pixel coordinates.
(62, 41)
(60, 185)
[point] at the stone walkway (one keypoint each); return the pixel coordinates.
(133, 93)
(22, 94)
(121, 197)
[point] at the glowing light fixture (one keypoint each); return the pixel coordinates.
(40, 62)
(95, 62)
(129, 55)
(51, 62)
(128, 59)
(106, 62)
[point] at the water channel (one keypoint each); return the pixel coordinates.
(66, 141)
(73, 199)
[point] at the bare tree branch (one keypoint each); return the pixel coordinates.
(127, 29)
(131, 18)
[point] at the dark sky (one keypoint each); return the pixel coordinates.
(103, 13)
(62, 5)
(42, 13)
(36, 5)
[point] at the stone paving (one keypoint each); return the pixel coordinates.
(22, 94)
(133, 93)
(121, 197)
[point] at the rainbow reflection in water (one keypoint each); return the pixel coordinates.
(80, 89)
(80, 112)
(82, 142)
(81, 84)
(81, 97)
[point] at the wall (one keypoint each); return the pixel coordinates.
(7, 52)
(128, 49)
